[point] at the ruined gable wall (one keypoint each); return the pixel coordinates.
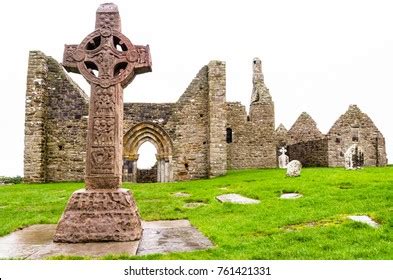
(253, 146)
(67, 113)
(281, 136)
(355, 123)
(55, 125)
(188, 128)
(306, 143)
(303, 130)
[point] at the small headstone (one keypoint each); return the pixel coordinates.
(237, 199)
(181, 194)
(364, 219)
(283, 159)
(294, 168)
(290, 195)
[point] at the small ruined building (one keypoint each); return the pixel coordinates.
(353, 135)
(199, 136)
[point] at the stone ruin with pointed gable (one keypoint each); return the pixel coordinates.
(354, 128)
(199, 136)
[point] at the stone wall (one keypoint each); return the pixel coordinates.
(147, 175)
(35, 119)
(188, 128)
(281, 136)
(304, 129)
(67, 116)
(217, 156)
(355, 127)
(199, 136)
(253, 137)
(312, 153)
(56, 123)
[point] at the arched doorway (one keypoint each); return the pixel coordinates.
(133, 140)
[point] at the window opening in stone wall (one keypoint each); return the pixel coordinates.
(229, 135)
(355, 134)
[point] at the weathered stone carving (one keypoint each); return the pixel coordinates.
(108, 61)
(294, 168)
(105, 101)
(283, 159)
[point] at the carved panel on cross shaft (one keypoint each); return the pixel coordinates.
(104, 103)
(107, 21)
(102, 160)
(143, 56)
(103, 131)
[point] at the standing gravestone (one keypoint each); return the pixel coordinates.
(109, 62)
(294, 168)
(283, 159)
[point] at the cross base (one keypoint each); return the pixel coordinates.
(99, 215)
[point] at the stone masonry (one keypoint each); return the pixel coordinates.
(308, 145)
(55, 123)
(253, 142)
(355, 127)
(199, 136)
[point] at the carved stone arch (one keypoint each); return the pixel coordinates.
(155, 134)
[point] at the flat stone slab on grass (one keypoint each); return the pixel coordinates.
(291, 195)
(171, 236)
(364, 219)
(194, 204)
(36, 242)
(237, 199)
(181, 194)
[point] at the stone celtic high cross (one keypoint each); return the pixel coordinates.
(109, 62)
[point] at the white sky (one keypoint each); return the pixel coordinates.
(318, 56)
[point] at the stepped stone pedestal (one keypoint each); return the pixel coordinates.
(99, 215)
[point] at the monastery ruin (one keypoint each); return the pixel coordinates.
(199, 136)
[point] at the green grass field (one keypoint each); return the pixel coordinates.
(312, 227)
